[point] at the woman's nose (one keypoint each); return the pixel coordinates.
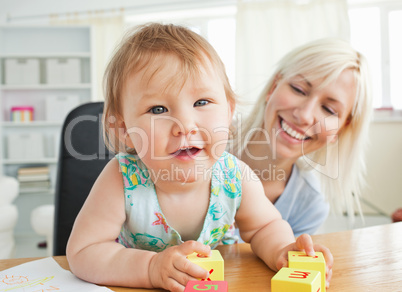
(304, 112)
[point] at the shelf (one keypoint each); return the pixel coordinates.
(45, 86)
(31, 124)
(45, 191)
(33, 161)
(51, 91)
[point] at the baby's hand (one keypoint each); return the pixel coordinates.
(171, 270)
(305, 243)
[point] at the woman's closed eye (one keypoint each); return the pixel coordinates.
(329, 109)
(201, 102)
(157, 110)
(297, 89)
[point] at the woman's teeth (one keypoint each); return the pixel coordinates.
(292, 132)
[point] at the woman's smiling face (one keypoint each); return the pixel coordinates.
(302, 116)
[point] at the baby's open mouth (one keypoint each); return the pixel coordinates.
(188, 151)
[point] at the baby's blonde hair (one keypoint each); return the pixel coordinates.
(139, 49)
(327, 59)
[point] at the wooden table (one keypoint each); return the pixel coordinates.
(368, 259)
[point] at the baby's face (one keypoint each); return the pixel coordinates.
(179, 129)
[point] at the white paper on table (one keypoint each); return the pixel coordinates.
(42, 276)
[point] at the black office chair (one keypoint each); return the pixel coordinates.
(82, 157)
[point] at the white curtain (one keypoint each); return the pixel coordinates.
(267, 29)
(107, 30)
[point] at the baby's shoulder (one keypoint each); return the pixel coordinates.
(126, 158)
(133, 170)
(129, 162)
(228, 161)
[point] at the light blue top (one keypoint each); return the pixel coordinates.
(147, 228)
(302, 204)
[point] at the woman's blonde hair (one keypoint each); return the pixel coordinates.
(137, 50)
(327, 59)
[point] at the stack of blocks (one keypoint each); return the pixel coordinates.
(305, 274)
(214, 265)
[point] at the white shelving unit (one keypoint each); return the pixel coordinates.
(64, 78)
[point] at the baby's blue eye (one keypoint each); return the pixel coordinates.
(156, 110)
(201, 102)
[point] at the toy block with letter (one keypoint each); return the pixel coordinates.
(213, 264)
(300, 280)
(299, 260)
(217, 286)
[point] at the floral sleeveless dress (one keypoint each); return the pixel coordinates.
(147, 228)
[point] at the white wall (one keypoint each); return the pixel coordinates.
(384, 163)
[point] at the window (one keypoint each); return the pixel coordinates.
(376, 30)
(395, 57)
(217, 25)
(366, 38)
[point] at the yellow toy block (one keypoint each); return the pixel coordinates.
(213, 264)
(299, 260)
(300, 280)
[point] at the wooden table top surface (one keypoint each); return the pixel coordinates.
(367, 259)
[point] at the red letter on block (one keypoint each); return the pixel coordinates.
(299, 275)
(218, 286)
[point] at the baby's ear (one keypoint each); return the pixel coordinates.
(119, 129)
(125, 136)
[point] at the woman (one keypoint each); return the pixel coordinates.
(307, 132)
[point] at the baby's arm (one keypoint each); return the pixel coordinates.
(95, 256)
(305, 242)
(261, 224)
(92, 252)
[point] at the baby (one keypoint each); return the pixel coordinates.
(172, 189)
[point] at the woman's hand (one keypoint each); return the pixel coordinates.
(171, 270)
(305, 243)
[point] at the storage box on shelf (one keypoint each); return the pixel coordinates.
(63, 71)
(25, 146)
(58, 106)
(21, 71)
(45, 70)
(22, 113)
